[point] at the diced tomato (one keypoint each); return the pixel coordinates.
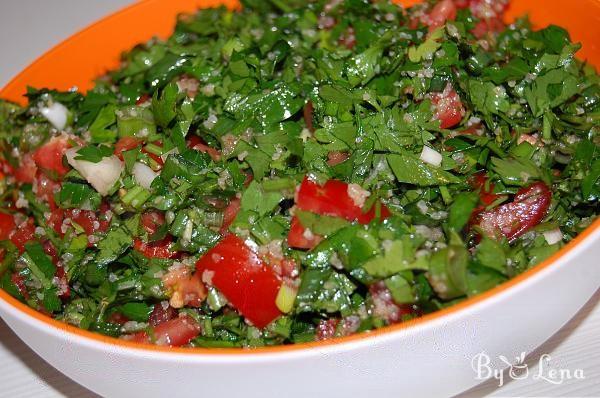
(186, 289)
(385, 307)
(152, 221)
(333, 199)
(326, 329)
(19, 282)
(143, 99)
(230, 213)
(7, 225)
(46, 188)
(50, 250)
(299, 238)
(158, 249)
(443, 11)
(161, 314)
(337, 157)
(49, 157)
(23, 234)
(126, 144)
(27, 169)
(174, 333)
(308, 112)
(489, 12)
(243, 278)
(198, 144)
(448, 107)
(513, 219)
(480, 182)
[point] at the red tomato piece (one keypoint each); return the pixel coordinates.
(126, 144)
(243, 278)
(27, 169)
(23, 234)
(64, 290)
(326, 329)
(152, 221)
(7, 225)
(448, 107)
(49, 157)
(19, 282)
(161, 314)
(229, 214)
(443, 11)
(298, 238)
(173, 333)
(513, 219)
(480, 182)
(158, 249)
(143, 99)
(385, 307)
(198, 144)
(333, 199)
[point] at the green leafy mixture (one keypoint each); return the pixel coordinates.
(277, 92)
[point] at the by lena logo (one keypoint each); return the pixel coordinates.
(519, 370)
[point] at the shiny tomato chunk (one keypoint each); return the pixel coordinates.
(23, 234)
(126, 144)
(299, 238)
(443, 11)
(173, 333)
(7, 225)
(49, 157)
(448, 107)
(198, 144)
(27, 169)
(480, 182)
(513, 219)
(230, 213)
(152, 221)
(158, 249)
(239, 273)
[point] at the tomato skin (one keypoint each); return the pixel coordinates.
(229, 214)
(173, 333)
(126, 144)
(513, 219)
(161, 314)
(448, 107)
(92, 222)
(385, 307)
(297, 236)
(152, 221)
(19, 282)
(158, 249)
(23, 234)
(49, 157)
(198, 144)
(443, 11)
(332, 199)
(7, 225)
(243, 278)
(486, 195)
(27, 169)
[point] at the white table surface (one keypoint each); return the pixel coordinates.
(27, 29)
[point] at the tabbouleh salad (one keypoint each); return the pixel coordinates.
(298, 171)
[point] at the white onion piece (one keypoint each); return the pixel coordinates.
(102, 175)
(554, 236)
(431, 156)
(57, 114)
(143, 174)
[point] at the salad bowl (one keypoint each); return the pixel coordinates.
(429, 356)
